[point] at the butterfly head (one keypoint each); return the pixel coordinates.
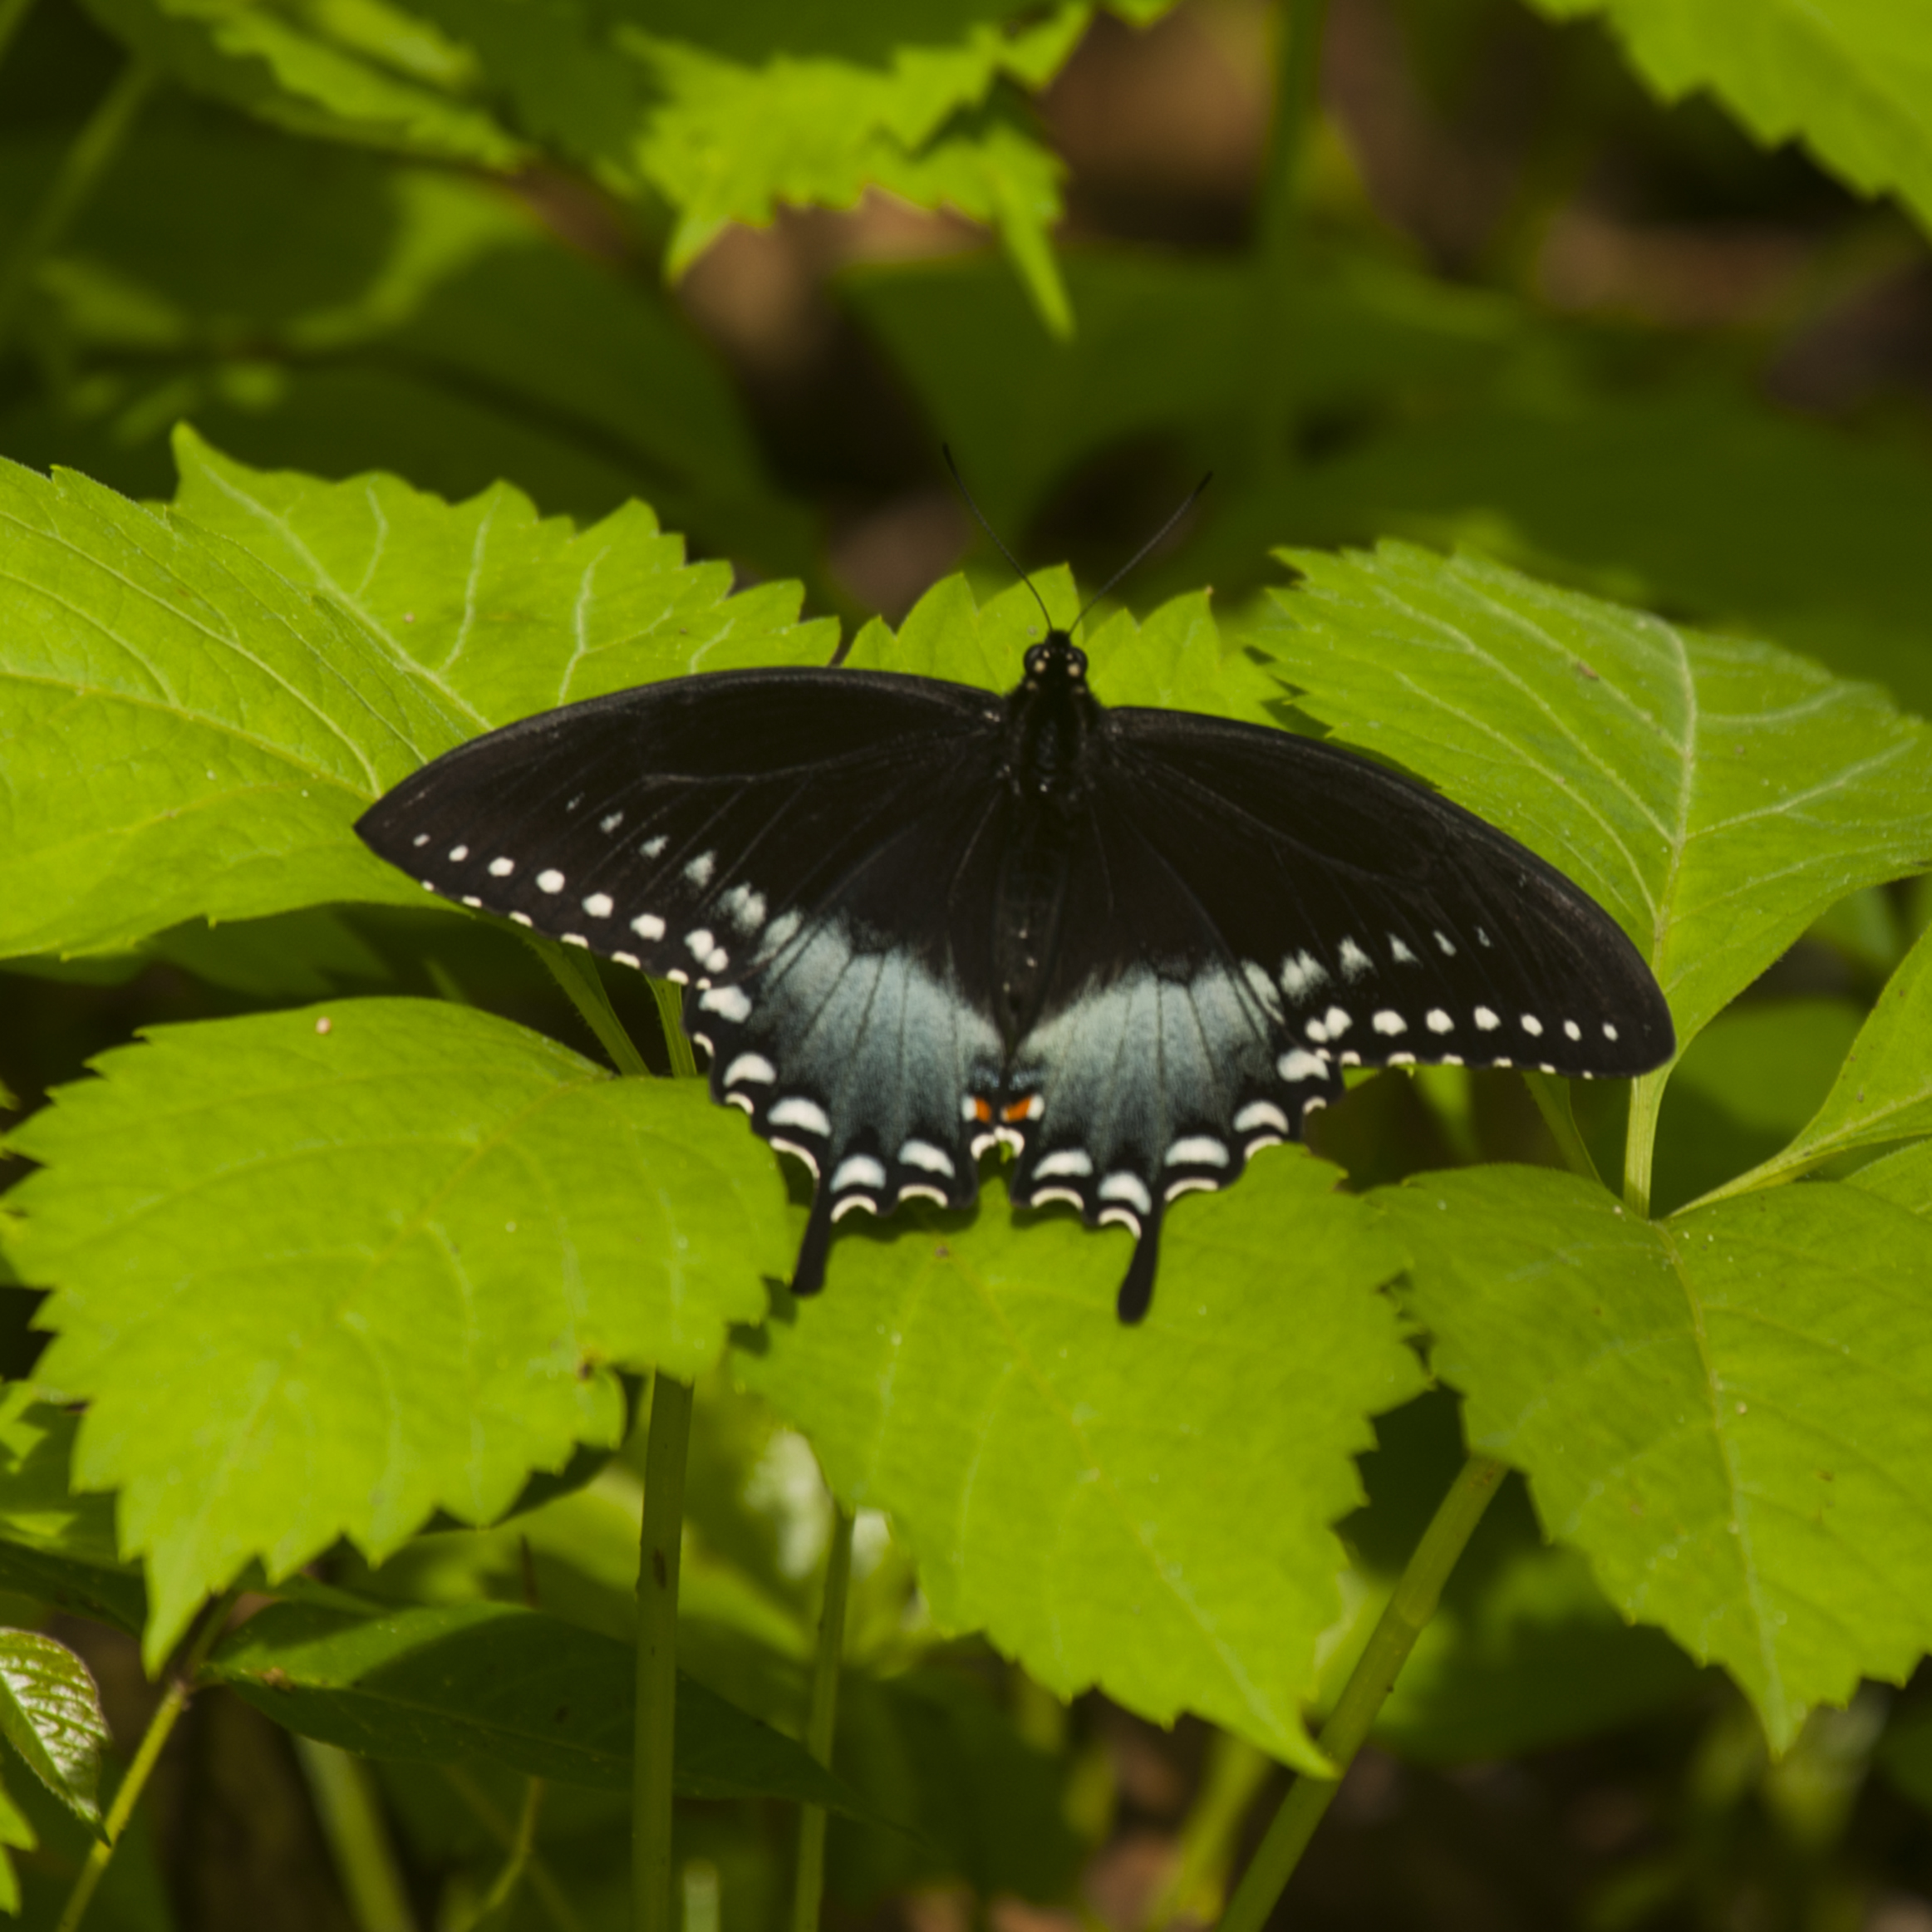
(1056, 660)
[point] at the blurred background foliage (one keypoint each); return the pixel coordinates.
(753, 264)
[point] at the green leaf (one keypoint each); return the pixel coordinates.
(50, 1712)
(1852, 81)
(1177, 658)
(1904, 1178)
(1744, 1086)
(1884, 1092)
(1714, 795)
(298, 68)
(439, 1684)
(1070, 1486)
(393, 1248)
(1729, 1412)
(233, 723)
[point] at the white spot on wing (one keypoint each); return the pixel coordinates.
(598, 905)
(610, 822)
(629, 959)
(573, 939)
(1439, 1021)
(550, 881)
(795, 1110)
(1302, 975)
(651, 847)
(1197, 1150)
(1294, 1065)
(700, 870)
(1609, 1032)
(1486, 1021)
(731, 1001)
(922, 1153)
(1338, 1022)
(458, 854)
(420, 839)
(1398, 952)
(501, 869)
(1070, 1160)
(1444, 942)
(700, 942)
(522, 919)
(647, 926)
(1128, 1187)
(859, 1171)
(1389, 1022)
(1532, 1027)
(750, 1066)
(1261, 1113)
(1262, 987)
(1572, 1029)
(1354, 961)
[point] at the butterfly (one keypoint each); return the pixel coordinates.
(918, 921)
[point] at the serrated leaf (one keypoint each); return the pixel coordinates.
(1714, 795)
(1178, 658)
(1729, 1412)
(1853, 81)
(1884, 1091)
(1070, 1486)
(50, 1712)
(438, 1685)
(395, 1259)
(294, 66)
(187, 732)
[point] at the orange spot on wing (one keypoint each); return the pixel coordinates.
(983, 1110)
(1018, 1111)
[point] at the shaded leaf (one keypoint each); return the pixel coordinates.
(1884, 1091)
(1728, 1413)
(16, 1833)
(1853, 82)
(440, 1683)
(285, 64)
(50, 1712)
(235, 722)
(1714, 795)
(1070, 1486)
(395, 1259)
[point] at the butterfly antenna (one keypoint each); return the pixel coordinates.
(1140, 556)
(946, 450)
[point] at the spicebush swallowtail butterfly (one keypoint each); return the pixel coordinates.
(916, 920)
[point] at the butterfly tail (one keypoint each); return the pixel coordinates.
(809, 1272)
(1137, 1291)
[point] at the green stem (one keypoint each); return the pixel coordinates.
(351, 1822)
(12, 14)
(87, 159)
(670, 997)
(576, 972)
(651, 1767)
(1198, 1888)
(1551, 1095)
(161, 1728)
(822, 1721)
(549, 1894)
(1402, 1621)
(1279, 239)
(1641, 1139)
(523, 1844)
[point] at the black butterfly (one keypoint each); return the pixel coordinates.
(916, 920)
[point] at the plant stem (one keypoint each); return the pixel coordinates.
(1198, 1888)
(87, 159)
(161, 1728)
(1279, 240)
(522, 1845)
(543, 1886)
(12, 14)
(822, 1721)
(670, 997)
(574, 969)
(651, 1767)
(1402, 1621)
(1641, 1139)
(1551, 1095)
(352, 1821)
